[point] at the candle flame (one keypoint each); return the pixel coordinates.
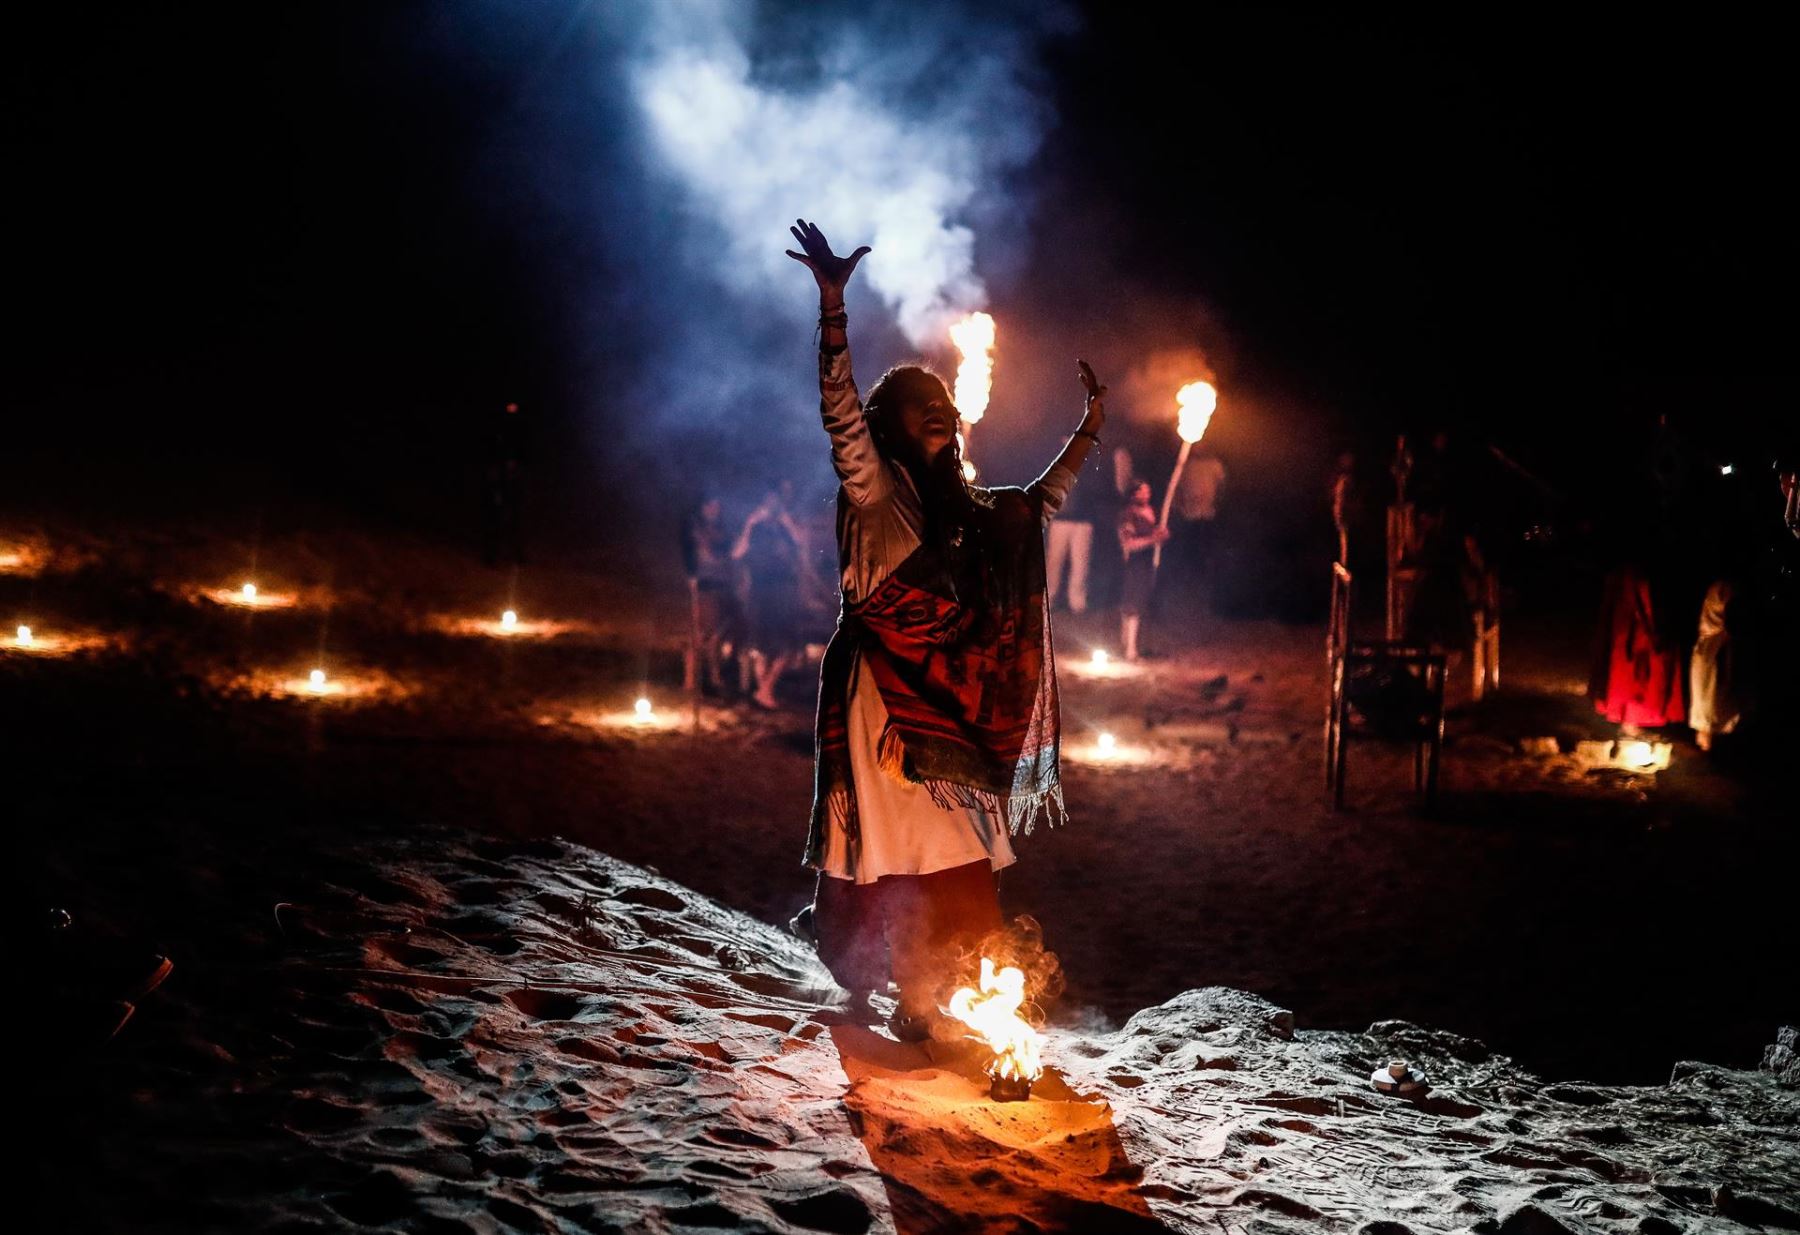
(993, 1013)
(1100, 657)
(25, 636)
(249, 591)
(509, 620)
(1108, 744)
(1198, 401)
(1644, 756)
(974, 338)
(317, 679)
(642, 708)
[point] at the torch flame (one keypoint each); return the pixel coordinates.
(993, 1013)
(974, 338)
(1198, 401)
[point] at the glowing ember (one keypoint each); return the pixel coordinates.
(974, 338)
(24, 636)
(993, 1013)
(509, 621)
(1106, 745)
(1100, 658)
(642, 708)
(1198, 401)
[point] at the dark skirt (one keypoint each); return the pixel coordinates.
(1139, 581)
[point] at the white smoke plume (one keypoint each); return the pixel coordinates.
(888, 126)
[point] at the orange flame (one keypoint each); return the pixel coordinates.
(1198, 401)
(974, 338)
(993, 1013)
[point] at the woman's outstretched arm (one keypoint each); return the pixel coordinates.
(853, 454)
(1052, 488)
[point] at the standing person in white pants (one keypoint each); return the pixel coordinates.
(1070, 542)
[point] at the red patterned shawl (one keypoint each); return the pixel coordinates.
(958, 643)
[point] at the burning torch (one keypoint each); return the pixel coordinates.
(974, 339)
(1197, 402)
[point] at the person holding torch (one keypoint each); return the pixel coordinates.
(936, 739)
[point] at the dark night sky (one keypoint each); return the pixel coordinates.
(338, 231)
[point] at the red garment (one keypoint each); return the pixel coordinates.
(1637, 673)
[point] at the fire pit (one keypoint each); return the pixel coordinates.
(993, 1014)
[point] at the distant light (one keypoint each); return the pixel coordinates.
(249, 591)
(1100, 657)
(1726, 470)
(24, 636)
(509, 620)
(317, 678)
(642, 708)
(1107, 744)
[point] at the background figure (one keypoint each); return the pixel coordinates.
(1195, 539)
(1071, 533)
(770, 548)
(1713, 704)
(502, 537)
(1636, 679)
(1139, 534)
(716, 617)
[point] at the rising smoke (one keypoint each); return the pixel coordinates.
(893, 125)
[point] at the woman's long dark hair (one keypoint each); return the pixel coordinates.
(951, 503)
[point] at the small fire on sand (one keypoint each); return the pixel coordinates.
(993, 1013)
(1644, 756)
(21, 559)
(248, 595)
(31, 641)
(509, 625)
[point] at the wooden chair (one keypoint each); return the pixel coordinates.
(1382, 690)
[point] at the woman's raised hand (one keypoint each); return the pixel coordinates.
(831, 271)
(1090, 383)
